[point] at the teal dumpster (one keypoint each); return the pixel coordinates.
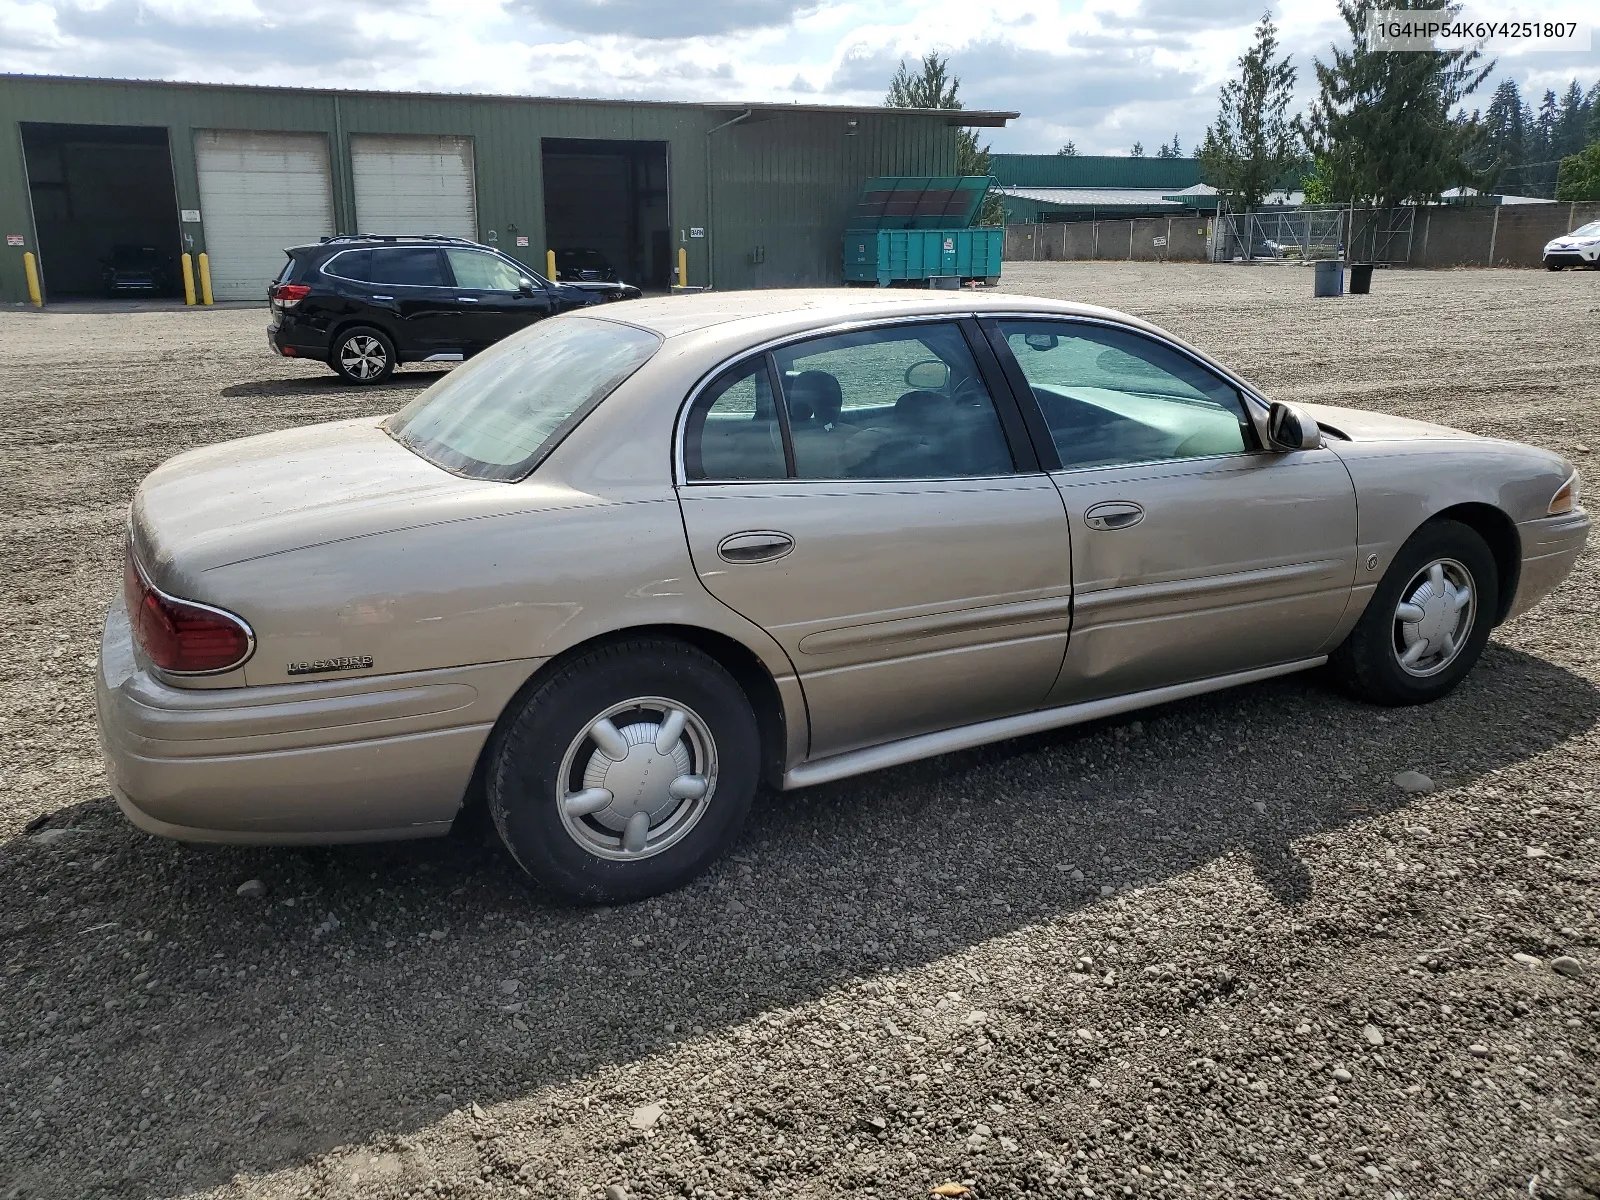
(908, 229)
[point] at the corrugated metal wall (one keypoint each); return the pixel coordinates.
(1093, 170)
(782, 183)
(783, 186)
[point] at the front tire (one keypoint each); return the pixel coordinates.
(362, 355)
(626, 773)
(1427, 622)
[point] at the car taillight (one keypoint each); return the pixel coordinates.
(181, 636)
(287, 294)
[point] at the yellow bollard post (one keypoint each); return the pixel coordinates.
(550, 264)
(30, 268)
(188, 278)
(205, 277)
(683, 267)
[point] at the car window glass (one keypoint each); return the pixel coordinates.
(900, 402)
(352, 264)
(477, 271)
(497, 416)
(1114, 396)
(732, 432)
(416, 266)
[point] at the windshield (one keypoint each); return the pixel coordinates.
(502, 413)
(1592, 229)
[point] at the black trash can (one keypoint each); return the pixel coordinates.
(1360, 279)
(1330, 278)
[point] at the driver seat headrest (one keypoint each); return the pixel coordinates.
(820, 393)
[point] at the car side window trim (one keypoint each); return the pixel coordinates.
(1002, 398)
(1251, 402)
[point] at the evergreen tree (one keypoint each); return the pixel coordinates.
(1538, 175)
(1504, 131)
(1170, 151)
(1570, 135)
(1069, 150)
(933, 86)
(1386, 124)
(1137, 151)
(1254, 141)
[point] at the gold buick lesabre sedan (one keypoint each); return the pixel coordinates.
(627, 565)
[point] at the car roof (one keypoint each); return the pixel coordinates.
(756, 315)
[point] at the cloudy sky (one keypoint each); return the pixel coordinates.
(1099, 72)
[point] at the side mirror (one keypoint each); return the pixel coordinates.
(525, 286)
(929, 375)
(1290, 427)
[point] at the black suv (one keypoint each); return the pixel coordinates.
(367, 303)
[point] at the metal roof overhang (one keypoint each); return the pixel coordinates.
(977, 118)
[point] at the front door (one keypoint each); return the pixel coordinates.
(869, 499)
(1196, 553)
(492, 303)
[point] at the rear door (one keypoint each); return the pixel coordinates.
(489, 291)
(411, 286)
(870, 498)
(1195, 552)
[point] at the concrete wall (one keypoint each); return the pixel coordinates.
(1186, 240)
(1440, 236)
(1507, 236)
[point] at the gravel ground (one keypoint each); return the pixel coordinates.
(1212, 951)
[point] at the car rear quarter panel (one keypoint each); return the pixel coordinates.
(559, 564)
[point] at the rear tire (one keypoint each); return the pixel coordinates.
(1427, 622)
(583, 793)
(362, 355)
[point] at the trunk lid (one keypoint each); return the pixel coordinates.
(260, 495)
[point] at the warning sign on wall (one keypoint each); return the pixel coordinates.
(15, 239)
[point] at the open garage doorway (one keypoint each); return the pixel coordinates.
(105, 210)
(606, 202)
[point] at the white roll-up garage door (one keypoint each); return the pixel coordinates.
(260, 192)
(414, 184)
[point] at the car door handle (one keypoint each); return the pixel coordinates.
(383, 297)
(467, 299)
(1113, 514)
(758, 545)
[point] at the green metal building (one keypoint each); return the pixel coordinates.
(1040, 188)
(756, 194)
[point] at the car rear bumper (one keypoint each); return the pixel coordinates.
(296, 339)
(1550, 547)
(364, 759)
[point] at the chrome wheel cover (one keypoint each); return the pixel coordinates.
(637, 779)
(1434, 617)
(363, 357)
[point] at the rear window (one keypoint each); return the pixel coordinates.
(409, 266)
(351, 264)
(498, 416)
